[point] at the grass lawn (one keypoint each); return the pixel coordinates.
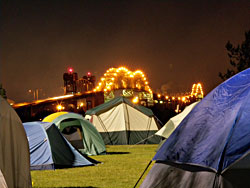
(120, 168)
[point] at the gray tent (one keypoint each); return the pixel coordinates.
(14, 149)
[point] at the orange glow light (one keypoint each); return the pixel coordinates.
(59, 107)
(121, 78)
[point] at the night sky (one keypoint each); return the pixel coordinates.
(175, 43)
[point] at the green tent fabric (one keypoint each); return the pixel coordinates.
(14, 149)
(116, 101)
(120, 122)
(79, 132)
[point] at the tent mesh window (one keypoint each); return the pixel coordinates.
(73, 132)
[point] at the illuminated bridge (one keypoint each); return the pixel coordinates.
(114, 82)
(123, 82)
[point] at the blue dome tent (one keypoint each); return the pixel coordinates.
(50, 150)
(211, 146)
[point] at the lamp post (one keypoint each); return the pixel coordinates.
(35, 93)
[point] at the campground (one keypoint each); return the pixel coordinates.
(121, 167)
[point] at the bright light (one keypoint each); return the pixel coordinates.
(158, 95)
(59, 107)
(135, 100)
(70, 70)
(89, 73)
(197, 90)
(166, 97)
(61, 97)
(122, 78)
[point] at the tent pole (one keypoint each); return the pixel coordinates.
(215, 180)
(148, 127)
(104, 128)
(145, 139)
(143, 173)
(127, 124)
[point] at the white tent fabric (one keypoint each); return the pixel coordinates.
(123, 124)
(171, 125)
(123, 117)
(111, 120)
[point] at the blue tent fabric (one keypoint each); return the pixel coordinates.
(78, 158)
(40, 151)
(216, 133)
(49, 149)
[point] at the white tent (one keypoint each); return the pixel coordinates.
(171, 125)
(119, 121)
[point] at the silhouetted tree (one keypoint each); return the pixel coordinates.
(239, 57)
(2, 92)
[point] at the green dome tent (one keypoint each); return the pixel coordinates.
(79, 132)
(121, 122)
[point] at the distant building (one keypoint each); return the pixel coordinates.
(74, 85)
(70, 79)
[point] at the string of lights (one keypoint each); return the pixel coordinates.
(123, 78)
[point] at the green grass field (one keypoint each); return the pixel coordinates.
(120, 168)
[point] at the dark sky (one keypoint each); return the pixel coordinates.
(176, 43)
